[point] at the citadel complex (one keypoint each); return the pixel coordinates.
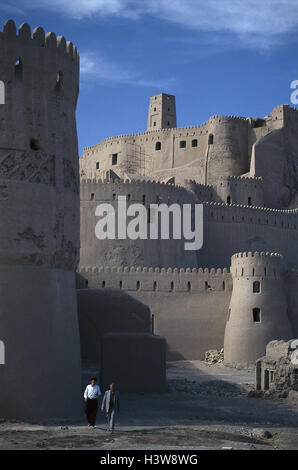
(244, 172)
(69, 300)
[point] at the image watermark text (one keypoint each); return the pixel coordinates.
(157, 222)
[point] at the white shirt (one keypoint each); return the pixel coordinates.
(92, 392)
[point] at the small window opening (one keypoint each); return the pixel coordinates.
(158, 146)
(210, 139)
(114, 158)
(249, 201)
(182, 144)
(256, 287)
(34, 145)
(229, 200)
(194, 143)
(256, 313)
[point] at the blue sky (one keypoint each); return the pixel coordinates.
(216, 56)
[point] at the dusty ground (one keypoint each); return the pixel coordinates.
(207, 407)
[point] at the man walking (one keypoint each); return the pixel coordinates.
(91, 396)
(111, 405)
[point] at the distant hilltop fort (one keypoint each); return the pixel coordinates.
(244, 172)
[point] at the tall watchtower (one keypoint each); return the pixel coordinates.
(39, 232)
(258, 307)
(162, 112)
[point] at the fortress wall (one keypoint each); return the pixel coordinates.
(39, 233)
(240, 190)
(202, 191)
(189, 306)
(172, 158)
(261, 127)
(130, 252)
(276, 152)
(291, 286)
(229, 229)
(193, 171)
(228, 154)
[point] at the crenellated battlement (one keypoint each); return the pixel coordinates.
(261, 264)
(245, 179)
(156, 270)
(47, 41)
(161, 280)
(110, 190)
(256, 255)
(23, 53)
(202, 129)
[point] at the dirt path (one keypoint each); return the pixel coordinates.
(207, 407)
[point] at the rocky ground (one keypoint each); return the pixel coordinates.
(207, 407)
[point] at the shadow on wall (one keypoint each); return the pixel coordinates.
(116, 338)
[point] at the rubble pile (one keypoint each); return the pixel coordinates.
(214, 356)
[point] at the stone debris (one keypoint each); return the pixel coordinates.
(219, 388)
(214, 356)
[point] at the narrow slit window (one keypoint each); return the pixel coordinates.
(114, 158)
(19, 69)
(256, 313)
(59, 81)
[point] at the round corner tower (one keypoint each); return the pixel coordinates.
(258, 308)
(39, 197)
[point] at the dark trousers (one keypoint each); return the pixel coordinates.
(91, 410)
